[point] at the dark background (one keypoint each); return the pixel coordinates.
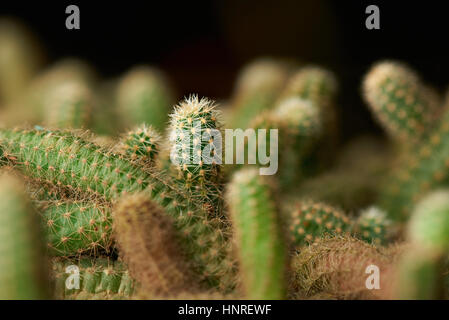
(202, 44)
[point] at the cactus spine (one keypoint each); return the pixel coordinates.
(22, 258)
(260, 244)
(144, 95)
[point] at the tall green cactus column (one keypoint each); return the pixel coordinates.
(258, 235)
(22, 257)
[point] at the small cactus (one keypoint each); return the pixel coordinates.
(372, 226)
(22, 257)
(69, 105)
(258, 235)
(313, 220)
(301, 121)
(194, 127)
(42, 87)
(319, 86)
(257, 89)
(142, 144)
(400, 101)
(144, 96)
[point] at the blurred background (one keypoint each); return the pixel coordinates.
(202, 45)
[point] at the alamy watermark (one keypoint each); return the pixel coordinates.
(199, 146)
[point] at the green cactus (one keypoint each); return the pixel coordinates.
(404, 106)
(420, 272)
(373, 226)
(98, 279)
(20, 59)
(75, 228)
(148, 243)
(142, 145)
(22, 257)
(193, 129)
(69, 105)
(301, 121)
(429, 224)
(418, 172)
(105, 120)
(41, 89)
(313, 220)
(257, 89)
(319, 86)
(65, 159)
(258, 235)
(144, 96)
(419, 276)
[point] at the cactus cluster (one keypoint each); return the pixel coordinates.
(110, 190)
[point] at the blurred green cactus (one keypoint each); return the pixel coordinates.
(373, 225)
(404, 106)
(259, 238)
(144, 96)
(23, 273)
